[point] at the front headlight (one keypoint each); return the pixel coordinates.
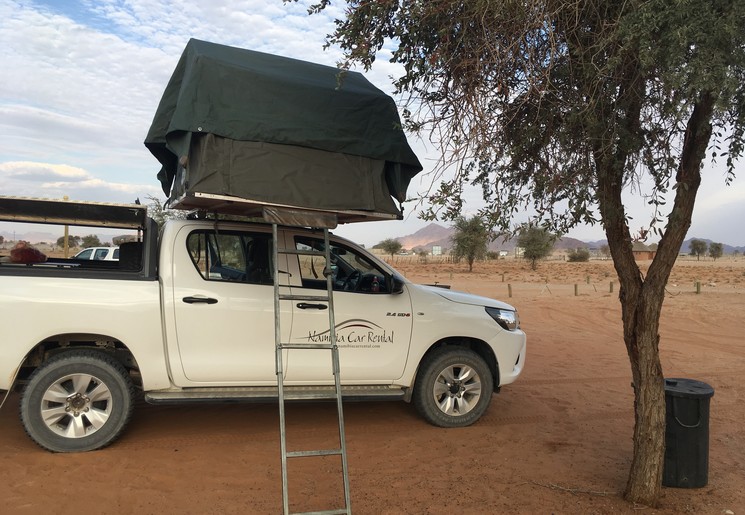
(504, 317)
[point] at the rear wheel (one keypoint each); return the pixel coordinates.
(453, 388)
(77, 401)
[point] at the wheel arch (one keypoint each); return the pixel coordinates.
(60, 343)
(480, 347)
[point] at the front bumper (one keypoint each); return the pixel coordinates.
(510, 348)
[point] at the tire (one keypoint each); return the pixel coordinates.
(78, 401)
(453, 387)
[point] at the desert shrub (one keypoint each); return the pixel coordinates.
(577, 255)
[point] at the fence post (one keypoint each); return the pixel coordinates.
(698, 287)
(576, 290)
(509, 290)
(611, 286)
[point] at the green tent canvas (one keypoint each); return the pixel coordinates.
(279, 131)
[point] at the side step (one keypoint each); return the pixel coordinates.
(269, 394)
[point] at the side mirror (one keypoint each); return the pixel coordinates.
(395, 285)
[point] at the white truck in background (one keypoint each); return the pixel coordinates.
(186, 315)
(99, 253)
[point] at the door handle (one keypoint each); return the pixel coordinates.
(202, 300)
(305, 305)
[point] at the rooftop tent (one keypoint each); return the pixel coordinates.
(269, 130)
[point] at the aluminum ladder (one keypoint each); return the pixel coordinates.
(331, 347)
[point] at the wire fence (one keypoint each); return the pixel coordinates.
(510, 288)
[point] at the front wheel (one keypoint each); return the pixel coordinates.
(77, 401)
(453, 388)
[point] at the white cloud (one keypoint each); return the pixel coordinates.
(74, 93)
(25, 170)
(76, 87)
(52, 180)
(94, 184)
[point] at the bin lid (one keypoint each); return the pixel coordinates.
(688, 388)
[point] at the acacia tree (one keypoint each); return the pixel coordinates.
(716, 250)
(72, 241)
(536, 242)
(470, 240)
(560, 105)
(91, 240)
(390, 246)
(698, 248)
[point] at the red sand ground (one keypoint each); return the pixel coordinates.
(557, 441)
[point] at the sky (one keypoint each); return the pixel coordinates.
(80, 82)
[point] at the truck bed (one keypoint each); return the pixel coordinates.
(137, 260)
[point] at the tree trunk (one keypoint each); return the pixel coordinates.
(641, 298)
(641, 303)
(641, 324)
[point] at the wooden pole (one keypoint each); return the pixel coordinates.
(66, 244)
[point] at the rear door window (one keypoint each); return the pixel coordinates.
(100, 253)
(234, 256)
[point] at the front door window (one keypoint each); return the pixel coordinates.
(350, 270)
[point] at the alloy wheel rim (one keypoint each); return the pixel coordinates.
(457, 390)
(76, 405)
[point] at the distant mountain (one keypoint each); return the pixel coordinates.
(596, 244)
(566, 243)
(31, 237)
(434, 234)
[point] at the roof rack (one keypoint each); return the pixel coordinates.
(227, 204)
(57, 211)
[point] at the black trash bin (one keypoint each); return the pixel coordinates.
(686, 433)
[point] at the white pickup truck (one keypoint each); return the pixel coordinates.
(187, 315)
(99, 253)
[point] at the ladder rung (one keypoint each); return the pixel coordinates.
(318, 298)
(311, 396)
(302, 346)
(321, 452)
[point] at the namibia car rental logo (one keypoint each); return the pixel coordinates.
(354, 331)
